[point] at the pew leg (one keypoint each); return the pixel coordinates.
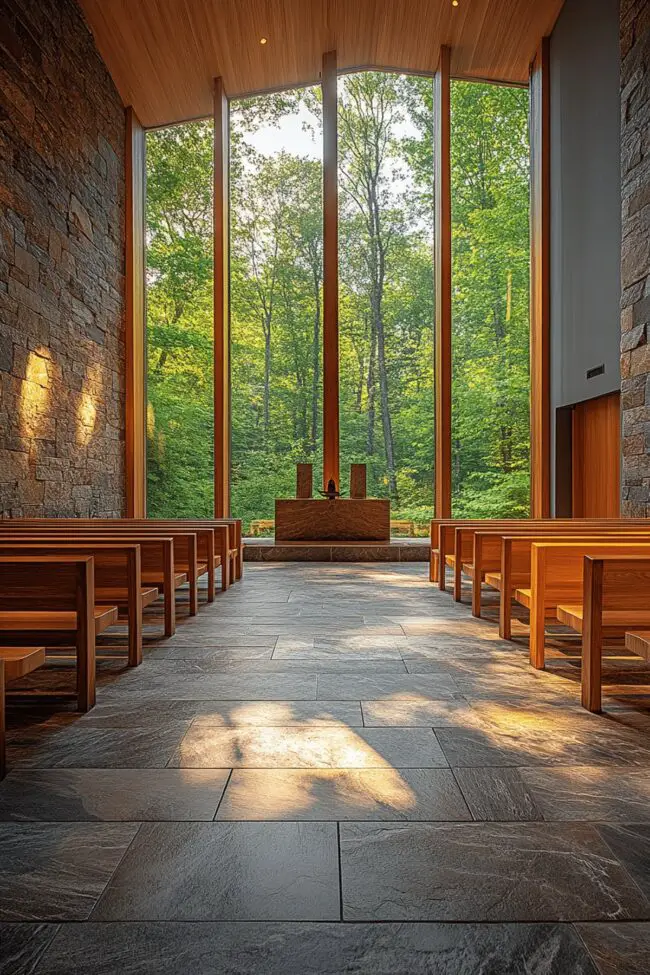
(537, 637)
(169, 610)
(134, 613)
(476, 595)
(194, 596)
(135, 632)
(85, 670)
(458, 580)
(505, 614)
(211, 580)
(169, 593)
(591, 679)
(3, 733)
(225, 572)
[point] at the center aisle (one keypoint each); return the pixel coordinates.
(330, 743)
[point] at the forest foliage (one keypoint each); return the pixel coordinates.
(386, 302)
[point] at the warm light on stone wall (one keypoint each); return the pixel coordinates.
(35, 422)
(92, 393)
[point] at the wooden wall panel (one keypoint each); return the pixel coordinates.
(596, 453)
(540, 224)
(221, 306)
(331, 457)
(442, 244)
(135, 413)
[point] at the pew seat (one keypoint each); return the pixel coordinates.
(613, 620)
(54, 621)
(153, 578)
(20, 661)
(15, 662)
(638, 641)
(115, 594)
(524, 595)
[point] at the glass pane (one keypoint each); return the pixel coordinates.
(276, 298)
(180, 416)
(386, 304)
(490, 301)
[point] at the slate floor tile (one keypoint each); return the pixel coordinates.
(588, 793)
(361, 688)
(226, 871)
(340, 794)
(618, 949)
(483, 746)
(135, 795)
(631, 844)
(483, 872)
(97, 747)
(267, 714)
(207, 746)
(250, 948)
(418, 711)
(22, 945)
(271, 687)
(57, 871)
(497, 795)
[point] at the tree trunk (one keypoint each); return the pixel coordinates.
(386, 423)
(370, 386)
(267, 376)
(315, 353)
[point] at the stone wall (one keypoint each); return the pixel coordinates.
(61, 267)
(635, 262)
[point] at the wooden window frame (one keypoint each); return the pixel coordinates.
(442, 250)
(539, 292)
(540, 282)
(135, 319)
(221, 311)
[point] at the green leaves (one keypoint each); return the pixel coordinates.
(386, 302)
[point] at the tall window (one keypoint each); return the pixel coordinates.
(386, 287)
(276, 297)
(180, 419)
(490, 158)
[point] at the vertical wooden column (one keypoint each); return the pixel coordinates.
(221, 306)
(135, 455)
(442, 247)
(331, 458)
(540, 254)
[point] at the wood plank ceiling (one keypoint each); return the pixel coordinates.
(164, 54)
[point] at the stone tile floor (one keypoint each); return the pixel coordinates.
(334, 768)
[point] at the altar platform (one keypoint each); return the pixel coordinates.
(394, 550)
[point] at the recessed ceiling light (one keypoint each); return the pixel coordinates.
(454, 3)
(263, 40)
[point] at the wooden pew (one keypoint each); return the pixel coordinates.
(461, 538)
(442, 543)
(156, 558)
(118, 579)
(615, 597)
(224, 553)
(502, 561)
(235, 546)
(185, 543)
(556, 579)
(638, 641)
(15, 662)
(53, 596)
(444, 539)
